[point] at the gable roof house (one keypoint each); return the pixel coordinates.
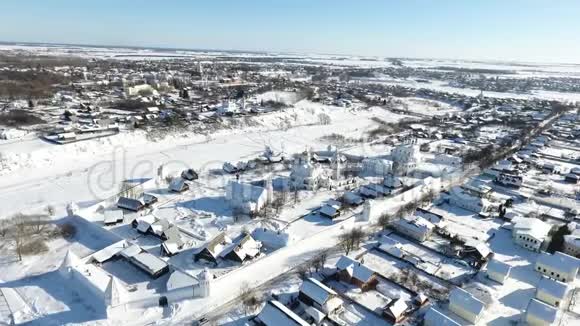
(396, 310)
(112, 217)
(414, 227)
(465, 305)
(130, 204)
(210, 252)
(459, 198)
(173, 242)
(178, 185)
(551, 292)
(540, 314)
(315, 294)
(275, 313)
(241, 249)
(558, 266)
(331, 209)
(498, 271)
(354, 272)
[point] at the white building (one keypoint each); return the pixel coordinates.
(377, 166)
(572, 243)
(551, 291)
(246, 197)
(474, 204)
(530, 233)
(405, 157)
(498, 271)
(414, 227)
(540, 314)
(558, 266)
(465, 305)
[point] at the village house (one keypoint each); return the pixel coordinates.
(551, 291)
(465, 305)
(210, 252)
(332, 209)
(558, 266)
(178, 185)
(275, 313)
(356, 273)
(317, 295)
(414, 227)
(498, 271)
(241, 249)
(113, 216)
(395, 311)
(390, 246)
(530, 233)
(459, 198)
(130, 204)
(540, 314)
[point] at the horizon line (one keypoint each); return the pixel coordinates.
(145, 47)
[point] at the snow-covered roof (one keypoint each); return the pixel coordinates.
(466, 300)
(559, 261)
(396, 308)
(177, 184)
(131, 251)
(129, 203)
(245, 192)
(355, 269)
(70, 260)
(534, 227)
(542, 311)
(434, 317)
(244, 246)
(109, 251)
(179, 279)
(149, 262)
(415, 223)
(316, 291)
(275, 313)
(328, 210)
(498, 267)
(113, 216)
(554, 288)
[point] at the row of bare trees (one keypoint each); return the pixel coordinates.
(27, 234)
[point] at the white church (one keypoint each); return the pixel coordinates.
(406, 156)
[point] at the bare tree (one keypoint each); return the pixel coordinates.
(18, 234)
(319, 261)
(351, 239)
(249, 299)
(385, 220)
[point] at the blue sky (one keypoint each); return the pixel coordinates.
(527, 30)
